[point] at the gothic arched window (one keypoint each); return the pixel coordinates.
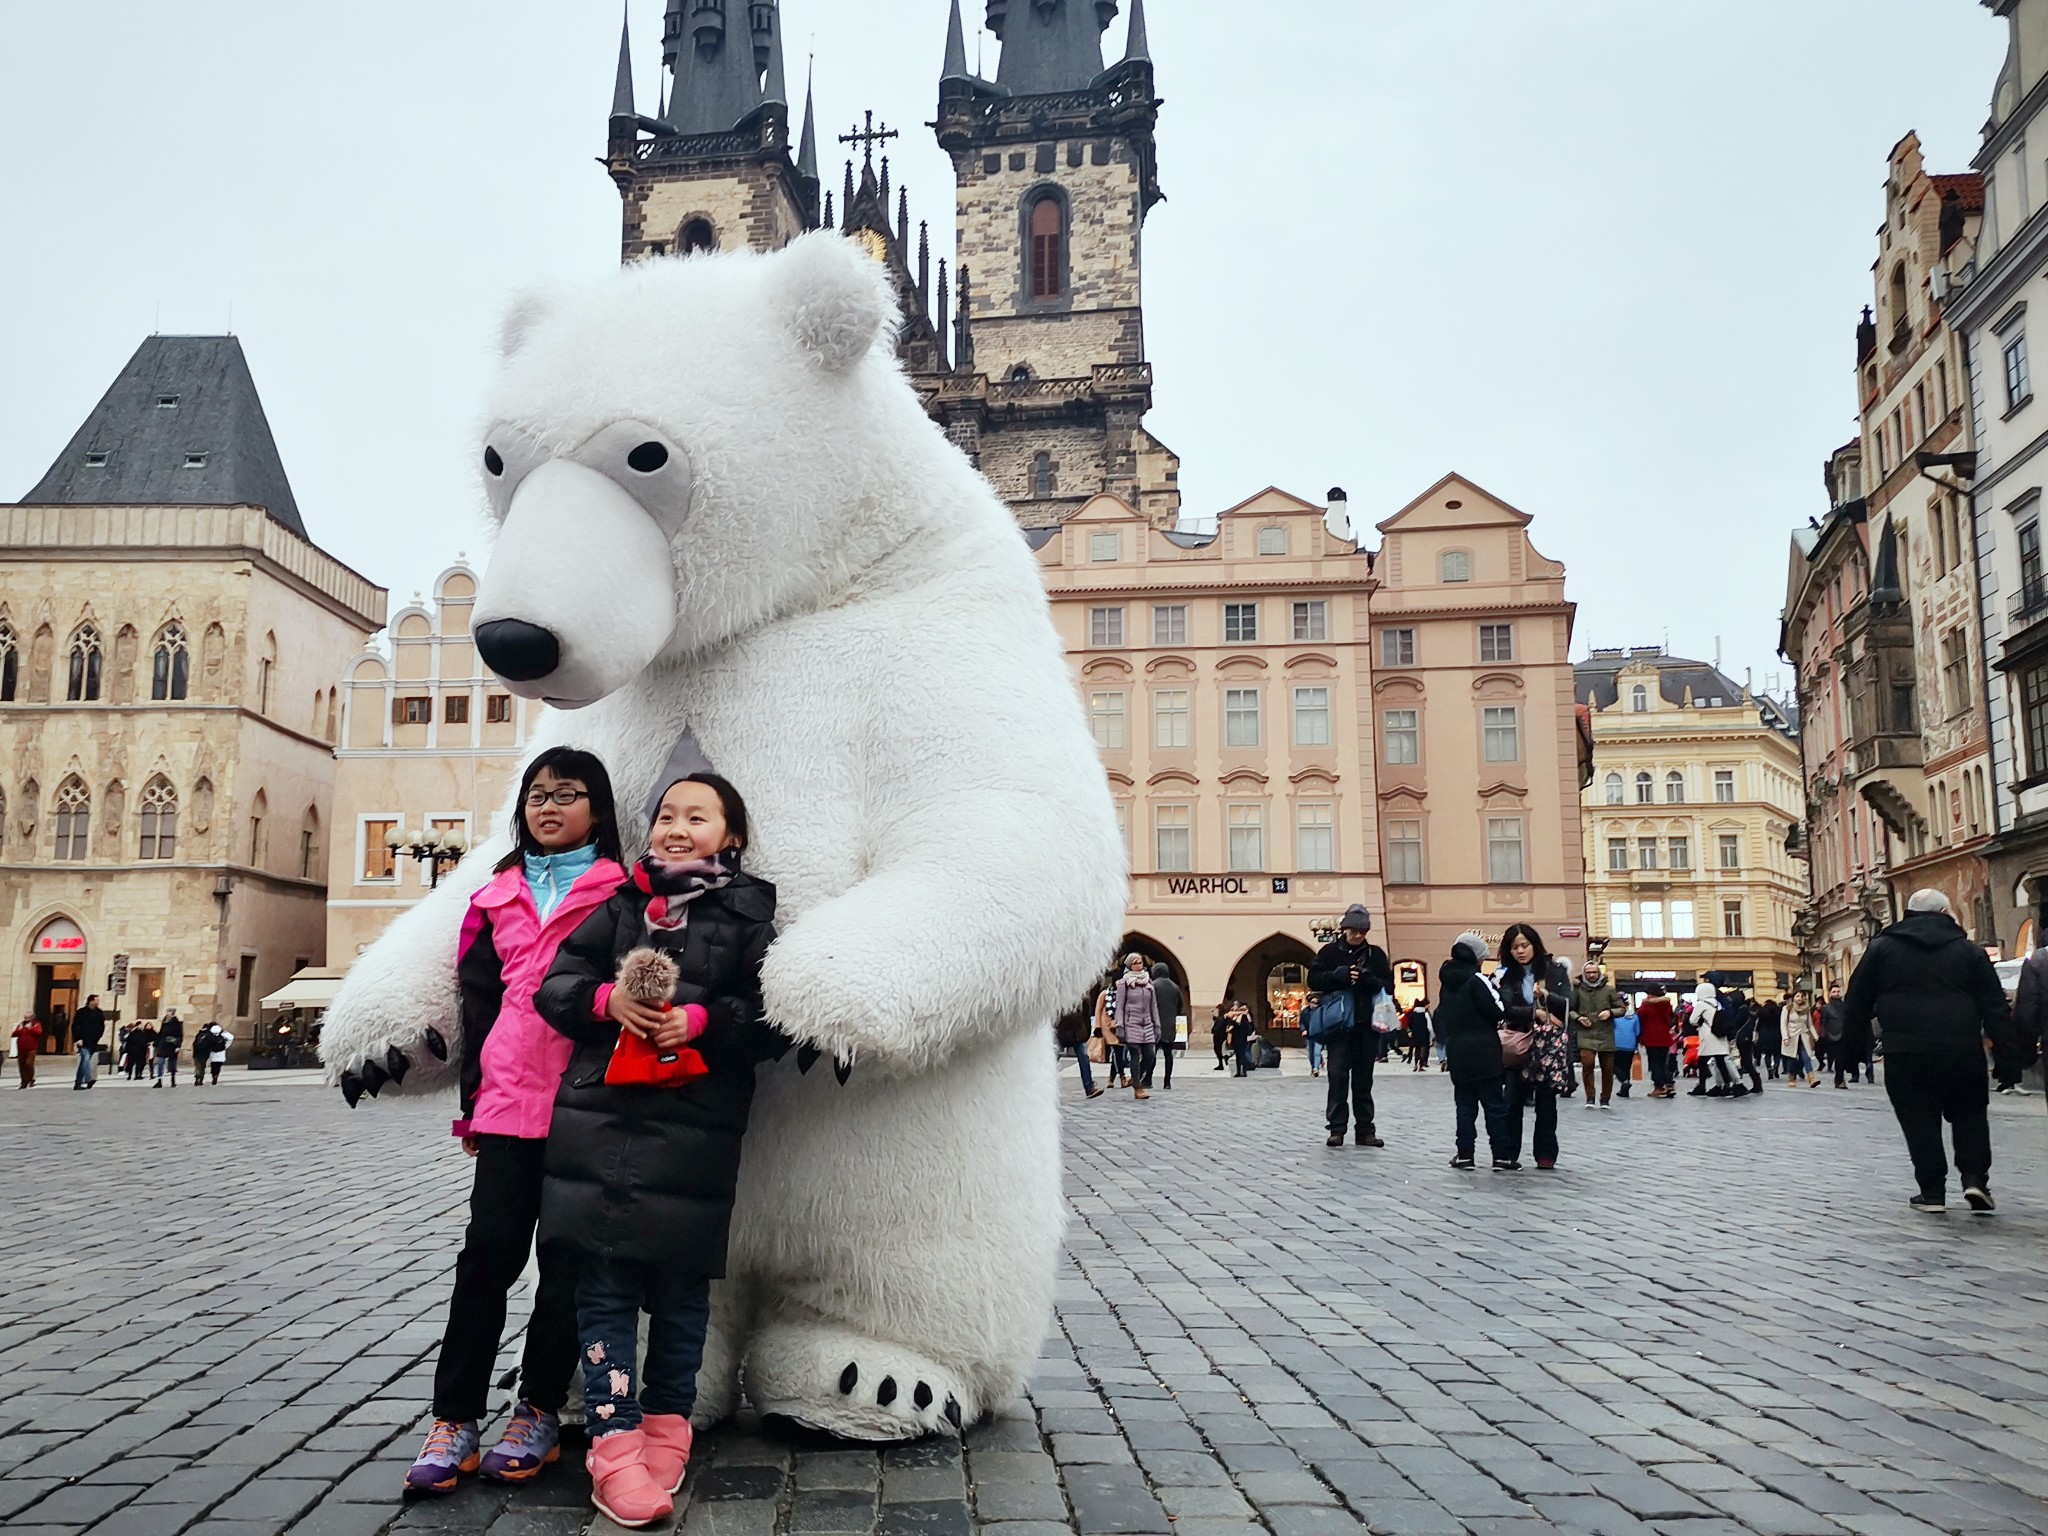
(74, 818)
(83, 683)
(1046, 229)
(1043, 481)
(10, 664)
(170, 675)
(159, 819)
(696, 236)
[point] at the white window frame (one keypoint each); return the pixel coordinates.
(1244, 825)
(1497, 643)
(1621, 920)
(1307, 711)
(1311, 618)
(1728, 856)
(1273, 539)
(1169, 623)
(1684, 923)
(1315, 837)
(1105, 546)
(1617, 855)
(1243, 619)
(1109, 716)
(1497, 839)
(1734, 918)
(1105, 628)
(1397, 852)
(1166, 715)
(1678, 852)
(1454, 567)
(1184, 828)
(1397, 647)
(1653, 920)
(363, 820)
(1724, 778)
(1235, 714)
(1403, 726)
(1498, 732)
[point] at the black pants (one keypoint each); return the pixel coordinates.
(504, 1204)
(1848, 1063)
(1926, 1090)
(1747, 1053)
(1348, 1061)
(1143, 1059)
(1660, 1065)
(1523, 1094)
(1488, 1095)
(1165, 1062)
(1220, 1038)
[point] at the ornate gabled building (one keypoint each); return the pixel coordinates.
(169, 641)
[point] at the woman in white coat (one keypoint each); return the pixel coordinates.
(1715, 1049)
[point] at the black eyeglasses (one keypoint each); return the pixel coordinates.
(536, 798)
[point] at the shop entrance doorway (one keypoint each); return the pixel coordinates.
(57, 999)
(1272, 978)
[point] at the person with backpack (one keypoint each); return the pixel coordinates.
(1352, 962)
(1716, 1046)
(170, 1039)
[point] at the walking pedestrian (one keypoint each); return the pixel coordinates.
(1535, 998)
(170, 1039)
(1114, 1049)
(1800, 1039)
(1939, 999)
(1595, 1004)
(28, 1045)
(1219, 1029)
(2030, 1015)
(1075, 1029)
(88, 1030)
(1716, 1047)
(1244, 1030)
(1833, 1016)
(1628, 1030)
(1137, 1021)
(1353, 961)
(1468, 1020)
(1420, 1027)
(218, 1056)
(1653, 1028)
(204, 1045)
(137, 1046)
(1740, 1013)
(1166, 995)
(1770, 1036)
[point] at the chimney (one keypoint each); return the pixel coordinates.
(1338, 518)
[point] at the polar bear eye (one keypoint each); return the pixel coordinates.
(648, 457)
(493, 462)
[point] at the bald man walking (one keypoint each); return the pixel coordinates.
(1938, 998)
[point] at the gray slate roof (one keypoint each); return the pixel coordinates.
(1048, 48)
(149, 447)
(1595, 679)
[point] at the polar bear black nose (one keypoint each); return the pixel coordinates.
(518, 651)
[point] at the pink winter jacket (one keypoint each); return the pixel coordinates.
(512, 1059)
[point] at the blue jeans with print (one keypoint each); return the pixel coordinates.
(86, 1056)
(610, 1296)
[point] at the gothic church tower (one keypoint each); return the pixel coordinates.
(1055, 169)
(714, 168)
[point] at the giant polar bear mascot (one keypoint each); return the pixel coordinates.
(727, 524)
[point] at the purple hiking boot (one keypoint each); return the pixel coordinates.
(532, 1439)
(450, 1451)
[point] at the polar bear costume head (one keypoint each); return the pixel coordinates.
(697, 502)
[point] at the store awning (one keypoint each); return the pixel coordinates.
(311, 988)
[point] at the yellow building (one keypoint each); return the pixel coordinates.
(430, 744)
(169, 640)
(1696, 792)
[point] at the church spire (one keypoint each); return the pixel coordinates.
(718, 85)
(807, 146)
(1138, 47)
(622, 90)
(776, 86)
(956, 48)
(1050, 46)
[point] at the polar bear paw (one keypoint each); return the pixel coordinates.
(374, 1072)
(835, 1380)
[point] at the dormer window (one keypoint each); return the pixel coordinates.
(195, 461)
(96, 461)
(167, 402)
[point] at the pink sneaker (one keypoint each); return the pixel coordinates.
(620, 1485)
(668, 1448)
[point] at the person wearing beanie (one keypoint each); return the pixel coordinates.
(1468, 1018)
(1352, 961)
(1939, 998)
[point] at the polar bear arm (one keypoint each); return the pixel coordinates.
(406, 984)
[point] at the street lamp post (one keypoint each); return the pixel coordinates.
(438, 850)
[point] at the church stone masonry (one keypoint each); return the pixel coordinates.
(1028, 346)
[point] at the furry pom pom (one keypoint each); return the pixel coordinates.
(648, 976)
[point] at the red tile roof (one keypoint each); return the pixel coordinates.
(1967, 187)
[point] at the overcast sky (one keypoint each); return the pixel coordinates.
(1604, 257)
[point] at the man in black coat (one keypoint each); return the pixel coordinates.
(88, 1030)
(1938, 997)
(1352, 961)
(1166, 995)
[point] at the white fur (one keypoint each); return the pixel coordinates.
(858, 639)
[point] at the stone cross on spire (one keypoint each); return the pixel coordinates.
(870, 136)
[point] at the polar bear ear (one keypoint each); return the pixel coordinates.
(835, 297)
(528, 311)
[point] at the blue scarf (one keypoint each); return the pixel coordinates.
(549, 875)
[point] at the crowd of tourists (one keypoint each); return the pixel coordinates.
(1518, 1034)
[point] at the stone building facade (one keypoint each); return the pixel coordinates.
(169, 640)
(1933, 794)
(428, 741)
(1483, 751)
(1228, 679)
(1690, 819)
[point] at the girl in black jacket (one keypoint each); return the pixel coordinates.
(644, 1152)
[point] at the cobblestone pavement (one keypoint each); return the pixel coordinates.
(1714, 1318)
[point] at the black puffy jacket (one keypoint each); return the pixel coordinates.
(647, 1174)
(1330, 971)
(1468, 1018)
(1934, 991)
